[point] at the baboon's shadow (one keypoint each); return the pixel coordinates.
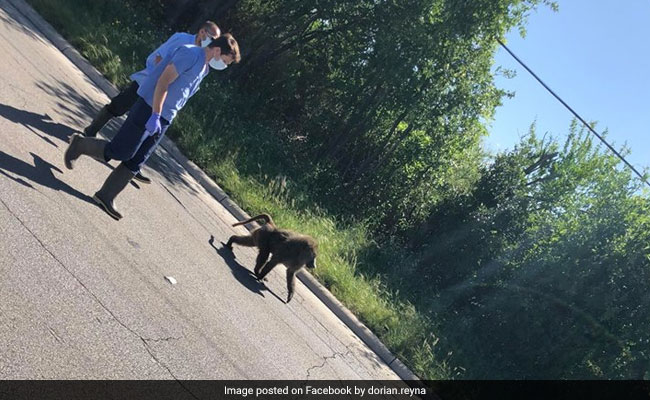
(241, 273)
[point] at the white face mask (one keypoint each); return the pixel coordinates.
(206, 41)
(219, 65)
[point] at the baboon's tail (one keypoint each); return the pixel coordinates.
(265, 217)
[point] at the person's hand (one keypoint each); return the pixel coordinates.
(153, 124)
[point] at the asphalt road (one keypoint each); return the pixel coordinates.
(84, 297)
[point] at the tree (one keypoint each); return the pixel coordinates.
(374, 94)
(550, 255)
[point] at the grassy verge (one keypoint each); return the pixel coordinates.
(118, 45)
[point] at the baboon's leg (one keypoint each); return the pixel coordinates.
(267, 268)
(262, 256)
(247, 241)
(291, 283)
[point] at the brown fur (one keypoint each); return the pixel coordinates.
(289, 248)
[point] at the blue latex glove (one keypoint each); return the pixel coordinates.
(153, 124)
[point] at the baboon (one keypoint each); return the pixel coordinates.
(289, 248)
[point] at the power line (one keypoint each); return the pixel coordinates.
(575, 113)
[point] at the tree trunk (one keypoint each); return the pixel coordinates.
(347, 134)
(368, 163)
(416, 184)
(255, 61)
(395, 144)
(368, 160)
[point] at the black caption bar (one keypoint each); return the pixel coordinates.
(239, 389)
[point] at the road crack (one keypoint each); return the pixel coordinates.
(162, 339)
(325, 360)
(159, 362)
(144, 340)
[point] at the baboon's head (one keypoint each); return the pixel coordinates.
(311, 264)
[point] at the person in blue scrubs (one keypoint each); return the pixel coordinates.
(160, 96)
(121, 103)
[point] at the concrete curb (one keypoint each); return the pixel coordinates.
(211, 187)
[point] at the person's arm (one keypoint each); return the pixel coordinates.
(157, 55)
(168, 76)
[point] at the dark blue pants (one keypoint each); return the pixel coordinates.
(132, 145)
(123, 102)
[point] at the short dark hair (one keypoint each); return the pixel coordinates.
(209, 24)
(228, 46)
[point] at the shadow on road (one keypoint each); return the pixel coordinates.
(71, 104)
(42, 123)
(40, 172)
(15, 20)
(241, 273)
(171, 171)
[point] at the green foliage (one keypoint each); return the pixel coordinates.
(551, 257)
(372, 95)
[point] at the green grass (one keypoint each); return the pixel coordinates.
(119, 45)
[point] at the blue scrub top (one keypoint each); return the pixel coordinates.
(175, 41)
(189, 61)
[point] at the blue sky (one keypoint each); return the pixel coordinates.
(595, 54)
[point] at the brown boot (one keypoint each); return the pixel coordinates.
(79, 145)
(102, 117)
(114, 184)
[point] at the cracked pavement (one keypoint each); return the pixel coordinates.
(84, 297)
